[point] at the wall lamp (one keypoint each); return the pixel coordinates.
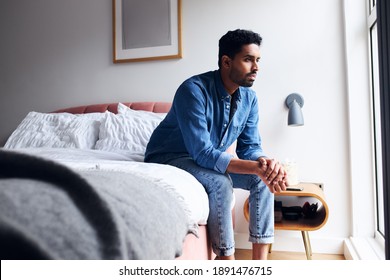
(294, 103)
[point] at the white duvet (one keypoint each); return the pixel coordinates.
(183, 185)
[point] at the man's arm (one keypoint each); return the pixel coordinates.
(190, 105)
(270, 171)
(252, 158)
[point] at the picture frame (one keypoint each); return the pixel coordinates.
(146, 30)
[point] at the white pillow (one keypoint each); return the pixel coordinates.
(56, 130)
(129, 130)
(123, 109)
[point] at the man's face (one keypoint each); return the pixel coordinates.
(245, 65)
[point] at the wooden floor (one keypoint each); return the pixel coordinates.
(243, 254)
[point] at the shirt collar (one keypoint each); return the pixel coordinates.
(222, 93)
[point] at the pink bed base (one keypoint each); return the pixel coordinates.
(194, 248)
(157, 107)
(197, 248)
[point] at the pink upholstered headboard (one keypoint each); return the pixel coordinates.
(157, 107)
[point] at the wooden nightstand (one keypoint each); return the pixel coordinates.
(310, 190)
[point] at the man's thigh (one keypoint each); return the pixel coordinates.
(210, 179)
(244, 181)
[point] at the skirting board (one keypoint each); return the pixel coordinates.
(295, 244)
(359, 248)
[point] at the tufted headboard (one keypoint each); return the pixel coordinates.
(157, 107)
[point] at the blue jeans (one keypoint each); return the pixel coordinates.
(219, 188)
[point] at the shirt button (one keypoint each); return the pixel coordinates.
(227, 106)
(221, 144)
(225, 124)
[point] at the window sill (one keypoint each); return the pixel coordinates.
(363, 249)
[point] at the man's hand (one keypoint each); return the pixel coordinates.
(274, 176)
(270, 171)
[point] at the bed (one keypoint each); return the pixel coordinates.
(73, 185)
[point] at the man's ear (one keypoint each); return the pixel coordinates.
(226, 61)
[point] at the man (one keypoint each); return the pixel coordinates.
(209, 113)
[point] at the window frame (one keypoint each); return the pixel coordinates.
(361, 243)
(376, 123)
(383, 11)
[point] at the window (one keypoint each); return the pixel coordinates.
(369, 127)
(377, 137)
(383, 57)
(372, 5)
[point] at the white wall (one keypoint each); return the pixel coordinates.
(56, 54)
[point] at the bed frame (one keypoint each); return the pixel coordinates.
(194, 248)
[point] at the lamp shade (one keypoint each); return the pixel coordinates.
(294, 102)
(295, 116)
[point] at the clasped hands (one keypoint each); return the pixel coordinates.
(273, 175)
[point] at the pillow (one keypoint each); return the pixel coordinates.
(128, 130)
(123, 109)
(56, 130)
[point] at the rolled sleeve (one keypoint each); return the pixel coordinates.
(223, 161)
(257, 155)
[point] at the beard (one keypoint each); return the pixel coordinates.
(237, 78)
(246, 83)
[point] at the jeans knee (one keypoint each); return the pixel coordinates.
(223, 184)
(256, 184)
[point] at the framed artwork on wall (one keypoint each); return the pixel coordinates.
(146, 30)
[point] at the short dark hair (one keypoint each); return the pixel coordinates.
(231, 43)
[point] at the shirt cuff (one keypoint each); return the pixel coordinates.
(256, 156)
(223, 162)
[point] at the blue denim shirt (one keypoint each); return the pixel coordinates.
(198, 125)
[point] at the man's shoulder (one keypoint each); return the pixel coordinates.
(202, 78)
(204, 84)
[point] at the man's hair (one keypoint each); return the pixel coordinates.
(231, 43)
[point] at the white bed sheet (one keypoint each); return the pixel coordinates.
(183, 185)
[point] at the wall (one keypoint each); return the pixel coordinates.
(57, 54)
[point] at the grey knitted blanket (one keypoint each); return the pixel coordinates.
(48, 211)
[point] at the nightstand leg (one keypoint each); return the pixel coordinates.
(306, 242)
(270, 248)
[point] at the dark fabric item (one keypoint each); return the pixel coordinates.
(48, 211)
